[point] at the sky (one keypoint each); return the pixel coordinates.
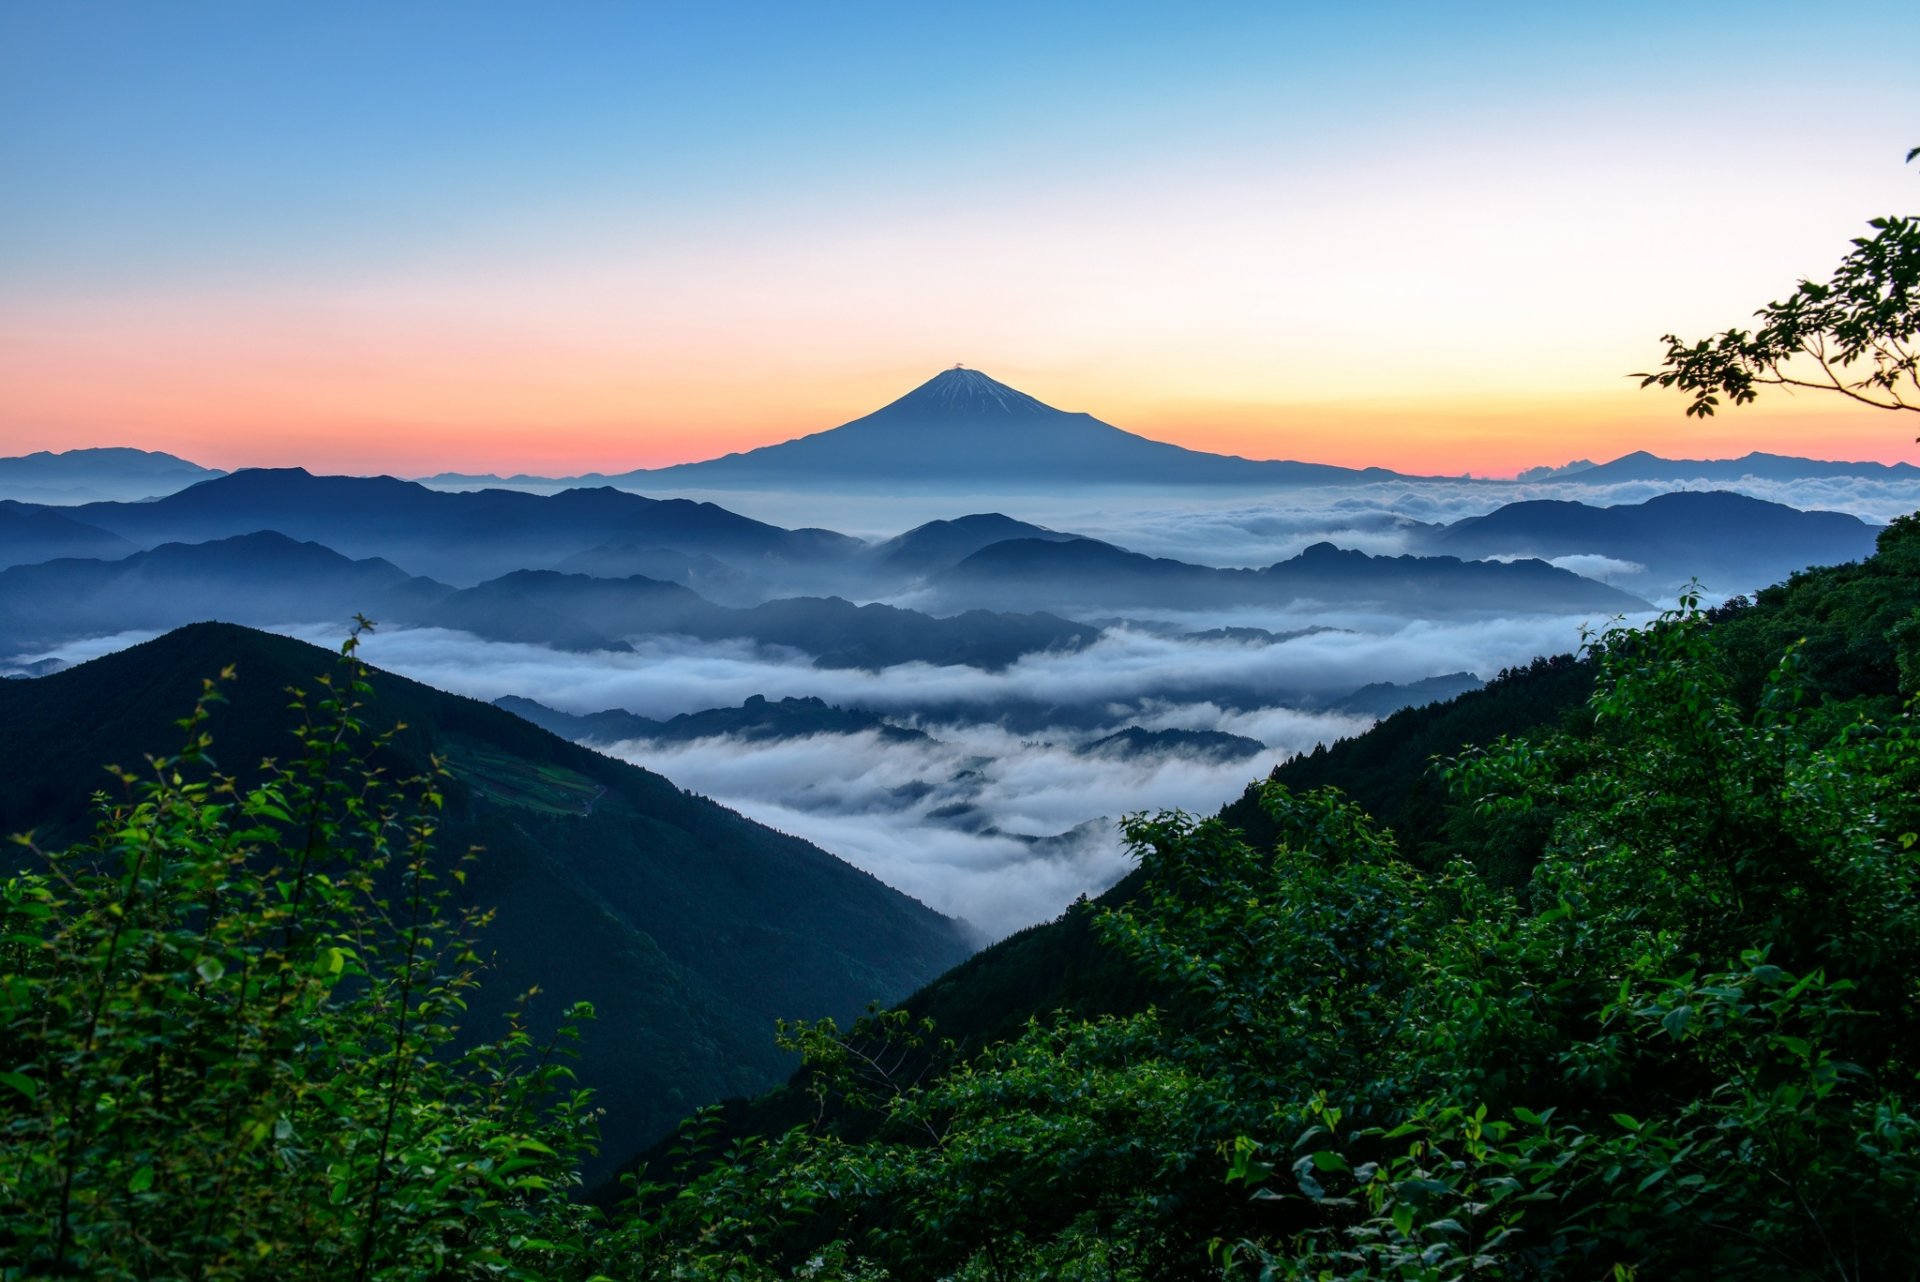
(504, 237)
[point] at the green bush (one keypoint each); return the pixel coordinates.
(230, 1030)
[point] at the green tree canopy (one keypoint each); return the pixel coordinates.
(1854, 335)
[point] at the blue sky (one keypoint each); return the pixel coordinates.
(844, 193)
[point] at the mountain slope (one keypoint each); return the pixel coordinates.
(88, 475)
(758, 719)
(1731, 542)
(31, 534)
(939, 544)
(583, 612)
(1643, 466)
(964, 429)
(691, 928)
(259, 578)
(460, 537)
(1089, 574)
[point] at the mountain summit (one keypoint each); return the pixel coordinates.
(963, 393)
(964, 430)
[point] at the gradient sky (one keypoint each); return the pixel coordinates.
(422, 236)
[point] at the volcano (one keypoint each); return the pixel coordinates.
(963, 430)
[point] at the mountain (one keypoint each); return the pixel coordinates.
(84, 476)
(690, 928)
(261, 578)
(758, 719)
(939, 544)
(711, 577)
(460, 537)
(29, 533)
(1090, 574)
(1642, 466)
(1731, 542)
(1195, 745)
(962, 429)
(1384, 698)
(268, 579)
(577, 611)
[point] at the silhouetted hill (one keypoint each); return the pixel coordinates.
(759, 718)
(259, 578)
(1731, 542)
(584, 612)
(460, 537)
(939, 544)
(1091, 574)
(961, 429)
(87, 475)
(1195, 745)
(690, 928)
(711, 577)
(29, 534)
(1642, 466)
(1384, 698)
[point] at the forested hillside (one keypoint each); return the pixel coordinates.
(1628, 986)
(691, 928)
(1623, 991)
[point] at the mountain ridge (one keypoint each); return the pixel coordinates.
(691, 927)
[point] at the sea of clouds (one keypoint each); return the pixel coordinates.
(996, 818)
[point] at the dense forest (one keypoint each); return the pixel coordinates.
(1628, 992)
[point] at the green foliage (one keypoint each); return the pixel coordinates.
(228, 1026)
(603, 881)
(1674, 1032)
(1854, 335)
(1682, 1045)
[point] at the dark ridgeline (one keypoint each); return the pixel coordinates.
(30, 534)
(1730, 542)
(691, 928)
(460, 537)
(939, 544)
(87, 475)
(1642, 466)
(266, 579)
(1092, 574)
(758, 720)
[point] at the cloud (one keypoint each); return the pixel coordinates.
(1239, 529)
(999, 820)
(669, 675)
(998, 829)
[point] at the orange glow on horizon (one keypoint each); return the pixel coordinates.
(469, 413)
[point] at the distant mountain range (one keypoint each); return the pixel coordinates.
(690, 928)
(263, 578)
(460, 538)
(759, 719)
(83, 476)
(1642, 466)
(959, 431)
(1730, 542)
(1133, 743)
(30, 534)
(266, 578)
(1089, 574)
(579, 612)
(939, 544)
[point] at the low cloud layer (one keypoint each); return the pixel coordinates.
(1000, 826)
(997, 829)
(665, 676)
(1240, 529)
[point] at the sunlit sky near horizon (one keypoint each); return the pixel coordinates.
(489, 237)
